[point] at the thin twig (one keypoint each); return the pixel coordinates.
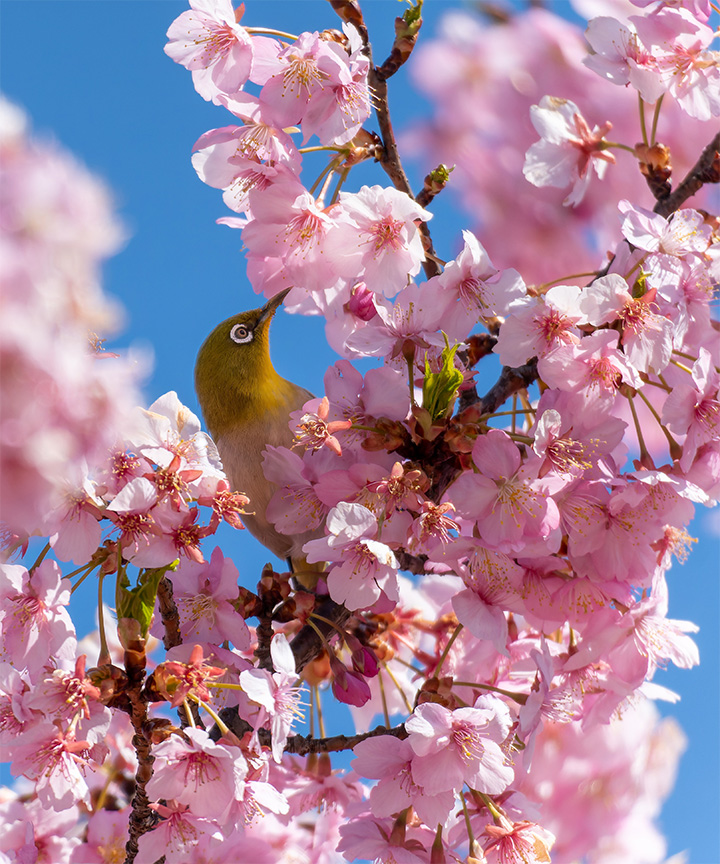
(511, 380)
(705, 170)
(301, 745)
(142, 818)
(264, 633)
(169, 614)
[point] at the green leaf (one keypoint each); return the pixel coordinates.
(413, 17)
(138, 603)
(440, 388)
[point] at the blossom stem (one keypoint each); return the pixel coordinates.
(82, 578)
(656, 117)
(409, 665)
(436, 259)
(331, 166)
(104, 658)
(41, 556)
(189, 714)
(411, 366)
(520, 698)
(318, 708)
(446, 650)
(545, 285)
(399, 688)
(320, 198)
(471, 836)
(386, 713)
(89, 566)
(686, 356)
(99, 803)
(215, 716)
(681, 366)
(636, 266)
(320, 148)
(521, 439)
(267, 31)
(615, 145)
(318, 630)
(331, 623)
(313, 699)
(490, 804)
(645, 458)
(658, 384)
(506, 413)
(691, 358)
(341, 179)
(222, 685)
(675, 448)
(641, 107)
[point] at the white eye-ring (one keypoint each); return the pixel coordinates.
(241, 334)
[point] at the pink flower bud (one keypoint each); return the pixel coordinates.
(363, 658)
(361, 302)
(347, 686)
(365, 662)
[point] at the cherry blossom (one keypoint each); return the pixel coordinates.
(388, 241)
(313, 432)
(620, 56)
(461, 746)
(646, 337)
(683, 234)
(505, 499)
(693, 409)
(567, 149)
(209, 41)
(479, 289)
(536, 327)
(276, 693)
(195, 771)
(364, 568)
(203, 594)
(36, 624)
(390, 761)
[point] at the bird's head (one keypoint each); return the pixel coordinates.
(234, 376)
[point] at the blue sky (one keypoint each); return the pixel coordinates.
(93, 75)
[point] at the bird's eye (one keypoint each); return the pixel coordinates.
(241, 334)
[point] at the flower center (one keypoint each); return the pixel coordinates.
(603, 374)
(554, 326)
(386, 234)
(467, 741)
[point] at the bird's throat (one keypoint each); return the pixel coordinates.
(233, 404)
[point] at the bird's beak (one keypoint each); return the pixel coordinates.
(269, 309)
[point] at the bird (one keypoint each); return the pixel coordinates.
(246, 406)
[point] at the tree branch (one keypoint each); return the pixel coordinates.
(301, 745)
(705, 170)
(142, 818)
(169, 614)
(412, 563)
(511, 380)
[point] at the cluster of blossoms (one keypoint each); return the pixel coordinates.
(517, 658)
(497, 86)
(62, 407)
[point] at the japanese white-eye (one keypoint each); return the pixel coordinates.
(246, 406)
